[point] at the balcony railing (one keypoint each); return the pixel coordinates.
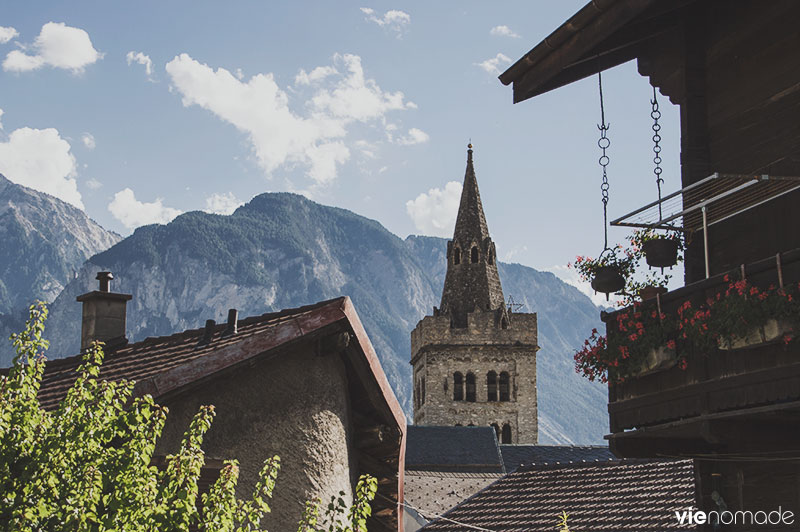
(716, 382)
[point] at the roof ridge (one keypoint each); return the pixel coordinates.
(595, 463)
(188, 333)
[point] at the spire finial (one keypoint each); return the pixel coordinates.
(469, 151)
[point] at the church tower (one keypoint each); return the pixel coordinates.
(474, 359)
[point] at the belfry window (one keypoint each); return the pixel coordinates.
(458, 386)
(471, 387)
(457, 256)
(491, 386)
(506, 435)
(474, 254)
(496, 428)
(505, 394)
(490, 258)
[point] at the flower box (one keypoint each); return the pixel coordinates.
(658, 359)
(772, 330)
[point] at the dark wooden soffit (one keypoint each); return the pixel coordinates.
(603, 34)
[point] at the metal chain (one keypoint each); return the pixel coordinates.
(655, 114)
(603, 143)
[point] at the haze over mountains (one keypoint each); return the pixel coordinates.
(44, 242)
(279, 251)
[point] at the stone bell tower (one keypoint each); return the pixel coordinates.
(474, 359)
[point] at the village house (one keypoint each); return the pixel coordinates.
(733, 68)
(302, 383)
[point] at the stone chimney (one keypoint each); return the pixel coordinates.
(103, 314)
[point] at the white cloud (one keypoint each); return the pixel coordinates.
(509, 255)
(7, 33)
(318, 74)
(434, 213)
(503, 31)
(279, 135)
(58, 46)
(133, 213)
(93, 184)
(41, 159)
(142, 59)
(393, 19)
(415, 136)
(492, 66)
(88, 141)
(222, 203)
(1, 122)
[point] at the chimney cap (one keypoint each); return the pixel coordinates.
(105, 281)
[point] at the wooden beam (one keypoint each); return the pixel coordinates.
(376, 468)
(598, 29)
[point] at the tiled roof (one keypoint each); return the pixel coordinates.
(432, 493)
(600, 496)
(466, 449)
(170, 364)
(516, 455)
(161, 364)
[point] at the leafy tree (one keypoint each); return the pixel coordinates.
(87, 465)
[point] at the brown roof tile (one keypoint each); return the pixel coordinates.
(602, 496)
(432, 493)
(162, 364)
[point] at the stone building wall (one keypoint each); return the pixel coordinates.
(438, 351)
(294, 405)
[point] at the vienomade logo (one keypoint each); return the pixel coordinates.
(739, 517)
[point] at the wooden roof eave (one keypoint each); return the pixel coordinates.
(599, 36)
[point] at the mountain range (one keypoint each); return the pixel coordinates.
(44, 243)
(277, 251)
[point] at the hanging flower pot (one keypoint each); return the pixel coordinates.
(661, 252)
(608, 279)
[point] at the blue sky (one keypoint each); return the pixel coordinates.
(138, 111)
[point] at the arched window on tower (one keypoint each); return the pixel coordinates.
(491, 386)
(496, 428)
(422, 390)
(490, 258)
(474, 254)
(457, 256)
(458, 386)
(471, 387)
(505, 395)
(506, 435)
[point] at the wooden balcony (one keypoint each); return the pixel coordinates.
(726, 400)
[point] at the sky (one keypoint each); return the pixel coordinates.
(138, 111)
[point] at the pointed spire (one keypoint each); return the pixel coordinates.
(470, 222)
(472, 282)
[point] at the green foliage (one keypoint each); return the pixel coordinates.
(638, 330)
(631, 264)
(562, 522)
(337, 517)
(732, 313)
(87, 466)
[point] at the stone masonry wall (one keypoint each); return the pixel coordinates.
(438, 351)
(294, 405)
